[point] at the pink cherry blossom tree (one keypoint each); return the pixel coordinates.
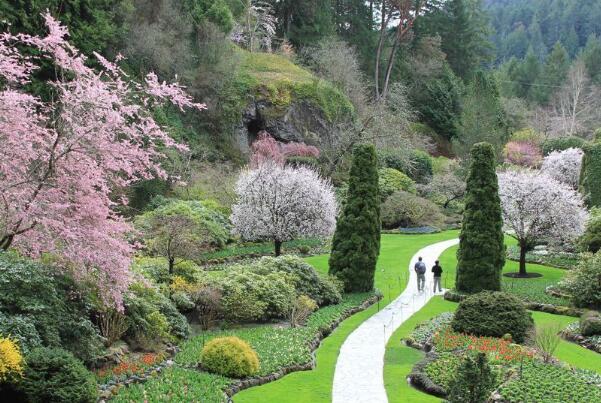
(266, 148)
(564, 166)
(282, 203)
(537, 206)
(62, 161)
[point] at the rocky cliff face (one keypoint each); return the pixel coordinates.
(288, 102)
(300, 121)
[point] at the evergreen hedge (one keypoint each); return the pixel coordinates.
(356, 243)
(590, 177)
(481, 253)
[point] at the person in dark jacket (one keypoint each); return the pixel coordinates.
(420, 270)
(437, 270)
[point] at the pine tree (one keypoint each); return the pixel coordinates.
(483, 117)
(592, 58)
(481, 253)
(474, 381)
(553, 74)
(529, 73)
(356, 243)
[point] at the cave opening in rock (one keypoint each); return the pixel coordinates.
(254, 127)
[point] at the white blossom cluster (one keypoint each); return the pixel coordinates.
(564, 166)
(536, 206)
(283, 203)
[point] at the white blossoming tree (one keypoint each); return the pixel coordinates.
(282, 203)
(537, 206)
(564, 166)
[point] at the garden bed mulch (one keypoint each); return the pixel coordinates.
(242, 384)
(455, 296)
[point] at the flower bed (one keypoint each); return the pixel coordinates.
(499, 351)
(280, 349)
(538, 382)
(423, 332)
(572, 333)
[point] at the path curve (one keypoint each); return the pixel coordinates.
(359, 375)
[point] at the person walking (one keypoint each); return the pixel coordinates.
(437, 270)
(420, 269)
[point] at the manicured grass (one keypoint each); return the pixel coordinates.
(391, 277)
(531, 289)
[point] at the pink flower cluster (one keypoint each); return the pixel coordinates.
(523, 153)
(64, 162)
(266, 148)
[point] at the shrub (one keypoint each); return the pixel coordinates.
(146, 310)
(182, 301)
(420, 169)
(390, 180)
(527, 135)
(590, 241)
(561, 144)
(546, 340)
(590, 323)
(582, 282)
(523, 153)
(306, 280)
(35, 295)
(492, 314)
(356, 242)
(55, 375)
(481, 254)
(11, 360)
(249, 296)
(230, 356)
(22, 329)
(405, 210)
(152, 268)
(208, 305)
(302, 307)
(474, 381)
(590, 177)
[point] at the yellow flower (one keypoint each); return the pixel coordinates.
(11, 360)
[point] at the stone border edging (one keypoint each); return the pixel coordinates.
(580, 340)
(261, 380)
(419, 379)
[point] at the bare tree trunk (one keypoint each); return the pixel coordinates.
(278, 247)
(395, 46)
(385, 20)
(171, 261)
(523, 249)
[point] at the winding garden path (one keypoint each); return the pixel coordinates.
(359, 374)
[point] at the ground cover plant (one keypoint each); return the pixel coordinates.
(276, 347)
(539, 382)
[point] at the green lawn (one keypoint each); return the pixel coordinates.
(391, 277)
(532, 289)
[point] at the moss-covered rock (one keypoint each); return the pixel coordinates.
(286, 100)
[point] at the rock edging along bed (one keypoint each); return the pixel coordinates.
(454, 296)
(242, 384)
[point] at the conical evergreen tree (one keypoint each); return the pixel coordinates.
(481, 253)
(356, 243)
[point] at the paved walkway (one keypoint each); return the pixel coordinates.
(359, 376)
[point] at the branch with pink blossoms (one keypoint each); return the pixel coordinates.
(61, 161)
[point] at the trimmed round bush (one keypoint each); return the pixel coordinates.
(492, 314)
(230, 356)
(406, 210)
(590, 323)
(391, 180)
(55, 375)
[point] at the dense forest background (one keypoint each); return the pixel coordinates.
(409, 76)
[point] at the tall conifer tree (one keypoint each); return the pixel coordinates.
(356, 243)
(481, 253)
